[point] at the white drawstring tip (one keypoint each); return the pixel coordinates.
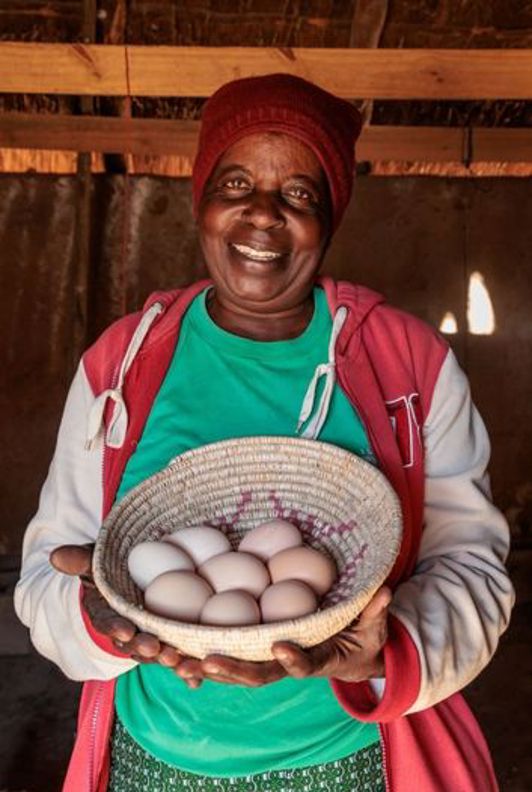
(328, 370)
(117, 429)
(116, 433)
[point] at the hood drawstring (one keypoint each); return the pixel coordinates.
(117, 428)
(328, 370)
(116, 431)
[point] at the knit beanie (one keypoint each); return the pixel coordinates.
(281, 103)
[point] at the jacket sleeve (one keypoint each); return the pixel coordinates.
(458, 602)
(70, 509)
(446, 619)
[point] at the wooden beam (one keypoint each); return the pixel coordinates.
(94, 133)
(159, 137)
(116, 70)
(487, 144)
(84, 69)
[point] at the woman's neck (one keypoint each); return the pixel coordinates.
(275, 326)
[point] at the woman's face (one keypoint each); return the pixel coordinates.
(264, 221)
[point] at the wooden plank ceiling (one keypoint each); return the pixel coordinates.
(197, 71)
(460, 72)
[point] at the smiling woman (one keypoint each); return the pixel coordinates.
(266, 347)
(264, 222)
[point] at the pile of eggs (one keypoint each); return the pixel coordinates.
(193, 575)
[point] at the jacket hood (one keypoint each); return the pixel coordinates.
(358, 300)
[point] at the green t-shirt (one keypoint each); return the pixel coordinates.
(221, 386)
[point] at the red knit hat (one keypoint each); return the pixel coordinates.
(281, 103)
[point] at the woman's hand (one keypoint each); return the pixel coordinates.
(352, 655)
(142, 647)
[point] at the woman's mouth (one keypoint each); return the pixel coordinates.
(255, 254)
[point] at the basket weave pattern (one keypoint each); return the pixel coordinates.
(340, 503)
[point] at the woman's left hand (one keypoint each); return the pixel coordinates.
(352, 655)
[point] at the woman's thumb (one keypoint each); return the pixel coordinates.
(72, 559)
(377, 607)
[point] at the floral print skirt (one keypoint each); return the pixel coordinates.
(135, 770)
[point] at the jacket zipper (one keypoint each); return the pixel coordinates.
(375, 444)
(97, 704)
(92, 737)
(376, 447)
(384, 759)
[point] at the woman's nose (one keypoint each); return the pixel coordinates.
(263, 211)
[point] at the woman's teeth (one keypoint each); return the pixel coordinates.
(257, 255)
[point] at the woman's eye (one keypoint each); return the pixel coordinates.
(301, 195)
(235, 184)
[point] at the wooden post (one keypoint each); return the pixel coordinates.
(82, 247)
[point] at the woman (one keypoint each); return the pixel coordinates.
(377, 706)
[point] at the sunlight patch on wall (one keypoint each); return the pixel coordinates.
(448, 324)
(480, 314)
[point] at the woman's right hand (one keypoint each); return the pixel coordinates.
(142, 647)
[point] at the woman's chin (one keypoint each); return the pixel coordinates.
(253, 290)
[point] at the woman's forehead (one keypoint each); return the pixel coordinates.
(272, 151)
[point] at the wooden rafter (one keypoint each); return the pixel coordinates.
(159, 137)
(116, 70)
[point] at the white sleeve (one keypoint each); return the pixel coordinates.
(69, 512)
(458, 601)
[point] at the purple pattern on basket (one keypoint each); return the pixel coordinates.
(308, 523)
(311, 526)
(305, 522)
(342, 588)
(228, 523)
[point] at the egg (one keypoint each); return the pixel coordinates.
(177, 595)
(201, 542)
(288, 599)
(231, 608)
(236, 570)
(270, 538)
(304, 563)
(148, 560)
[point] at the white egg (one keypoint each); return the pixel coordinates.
(201, 542)
(270, 538)
(288, 599)
(230, 608)
(315, 569)
(236, 571)
(177, 595)
(148, 560)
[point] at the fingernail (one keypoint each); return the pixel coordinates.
(212, 669)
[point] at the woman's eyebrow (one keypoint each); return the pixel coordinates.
(305, 177)
(231, 167)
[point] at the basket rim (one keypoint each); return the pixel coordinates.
(211, 632)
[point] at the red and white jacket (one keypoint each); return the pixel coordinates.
(452, 596)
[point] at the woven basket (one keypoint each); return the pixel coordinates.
(339, 503)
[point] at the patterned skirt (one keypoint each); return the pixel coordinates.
(135, 770)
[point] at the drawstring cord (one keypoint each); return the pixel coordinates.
(117, 428)
(327, 370)
(116, 431)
